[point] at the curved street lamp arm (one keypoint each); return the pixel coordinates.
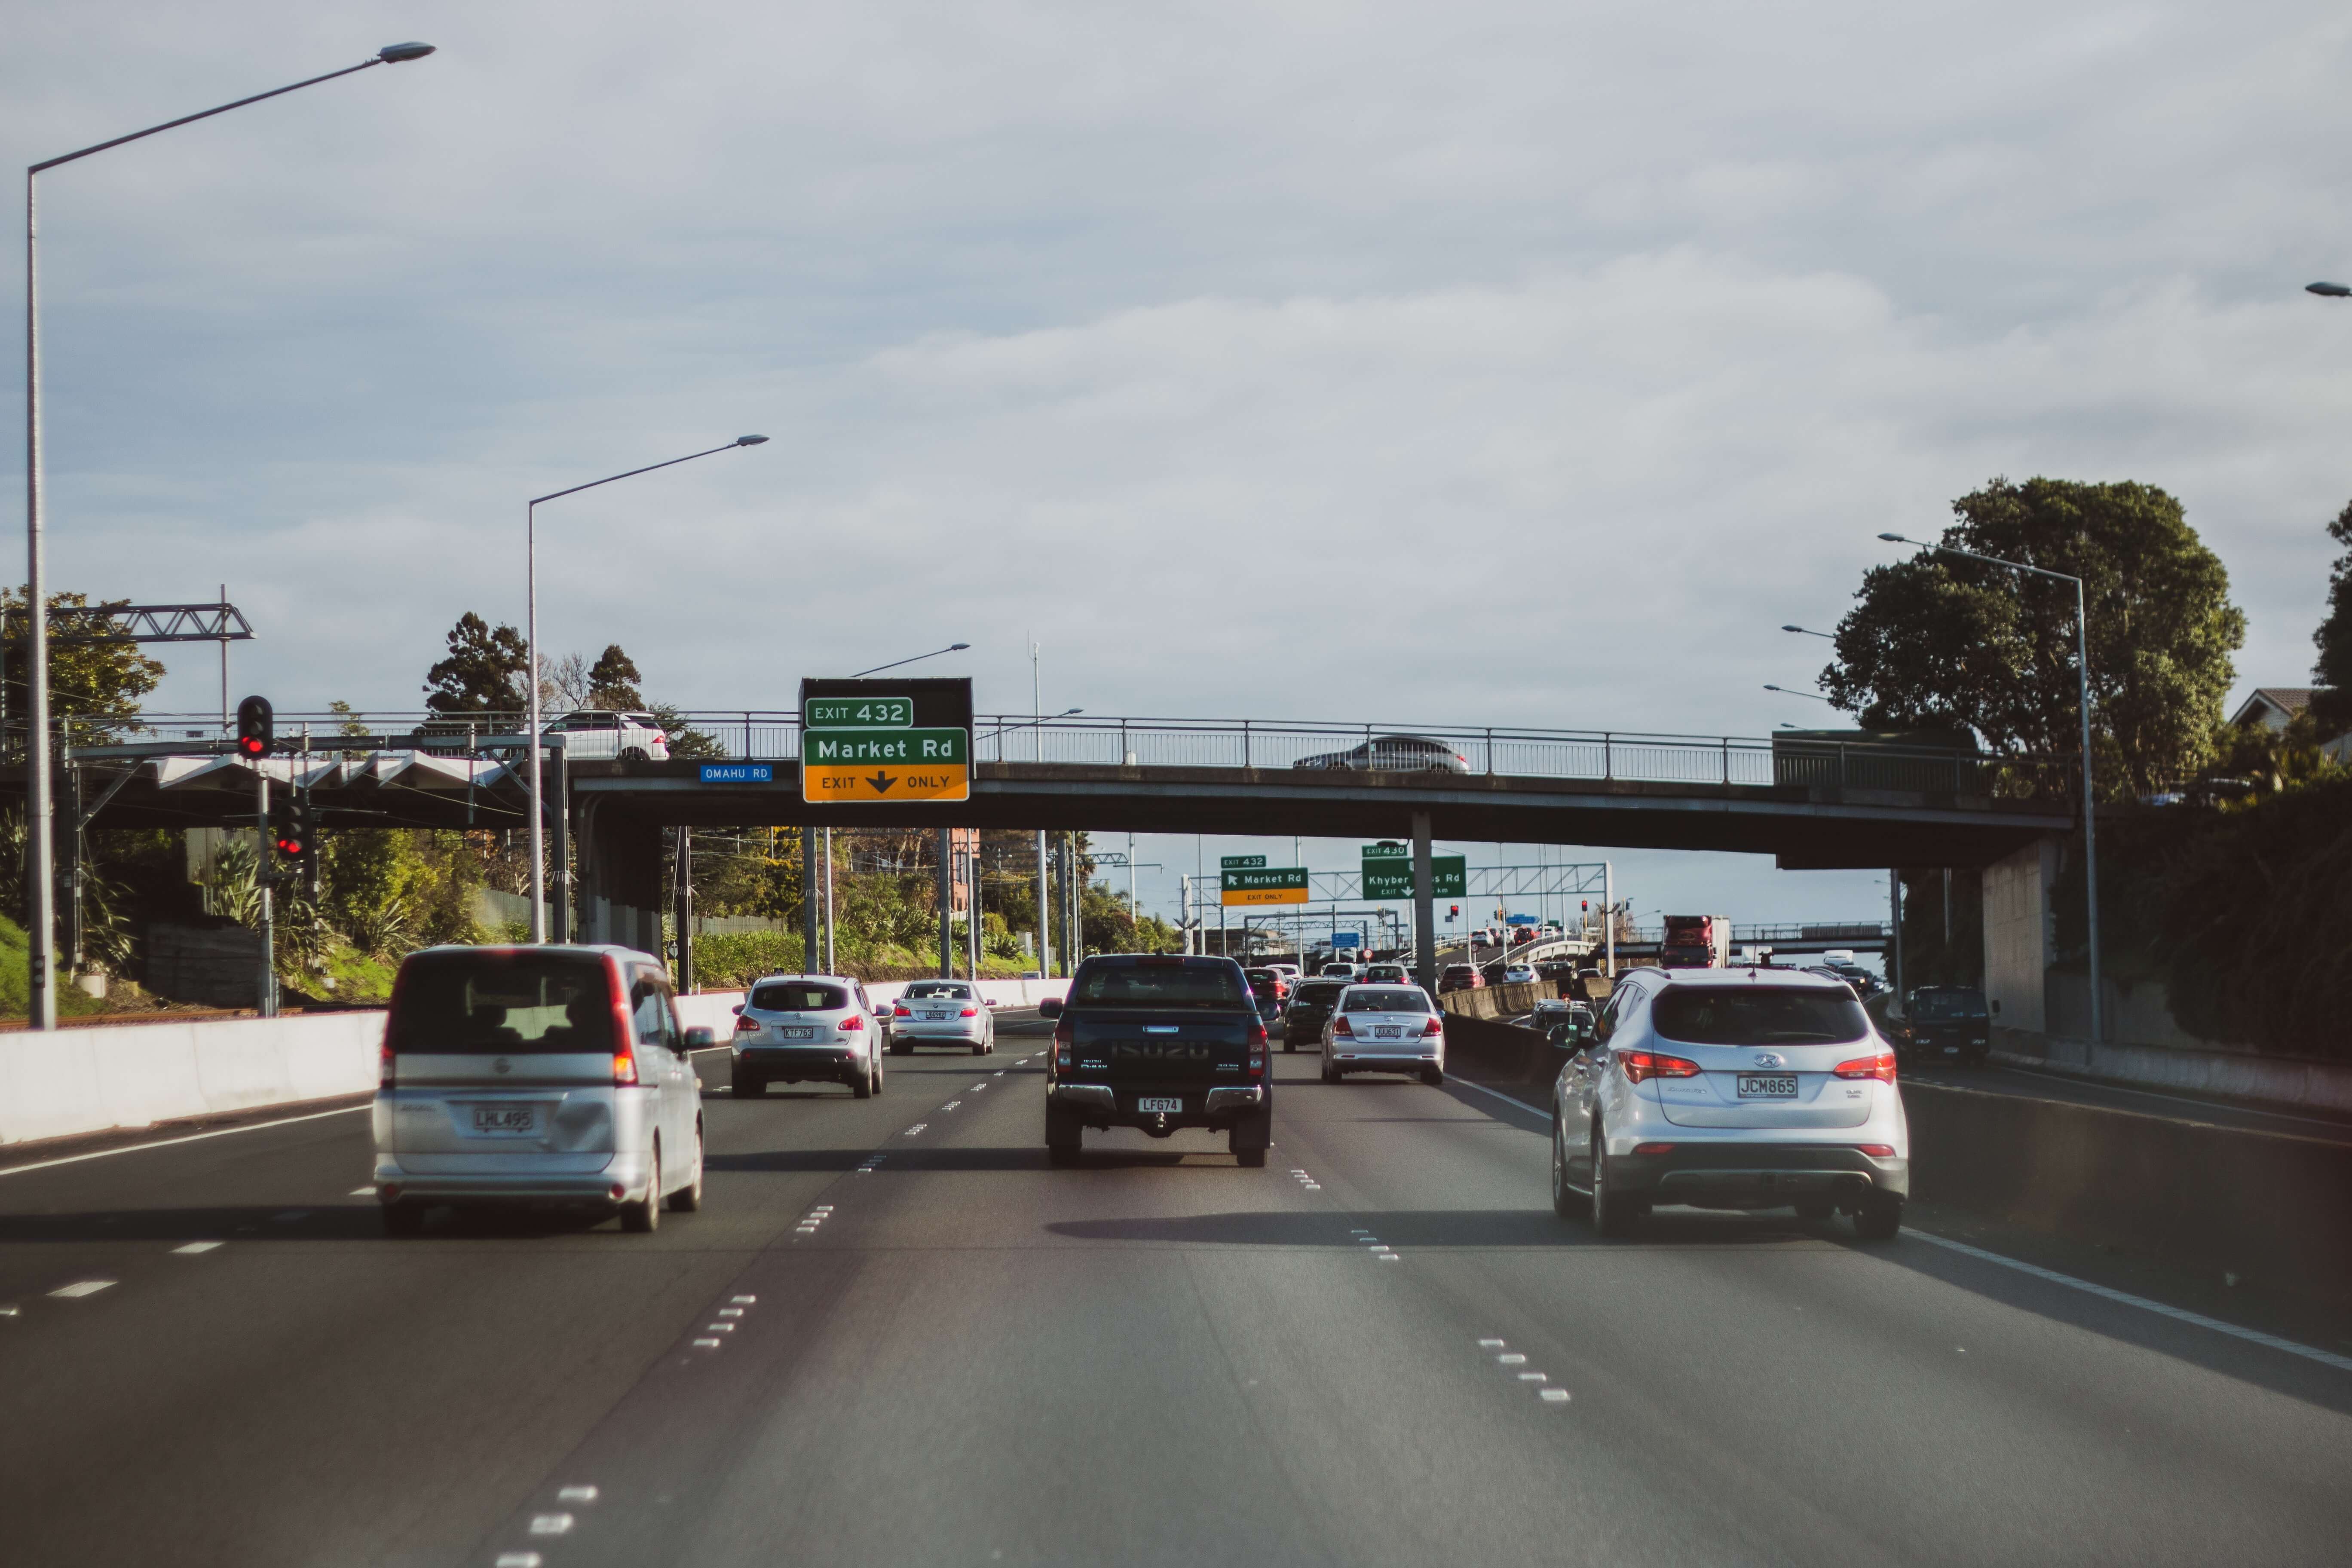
(952, 648)
(206, 114)
(633, 473)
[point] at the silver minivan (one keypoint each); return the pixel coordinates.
(537, 1074)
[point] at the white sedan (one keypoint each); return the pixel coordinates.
(1521, 974)
(942, 1013)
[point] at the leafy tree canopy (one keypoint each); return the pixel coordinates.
(1938, 641)
(2333, 706)
(94, 687)
(484, 671)
(613, 681)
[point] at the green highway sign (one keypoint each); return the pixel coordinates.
(1242, 862)
(866, 740)
(1389, 875)
(944, 748)
(858, 712)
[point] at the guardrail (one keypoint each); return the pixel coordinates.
(773, 735)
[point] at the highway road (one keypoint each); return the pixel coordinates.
(896, 1336)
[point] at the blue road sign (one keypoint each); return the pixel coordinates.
(1347, 939)
(739, 772)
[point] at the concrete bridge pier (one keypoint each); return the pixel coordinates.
(620, 882)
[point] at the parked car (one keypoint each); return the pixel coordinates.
(941, 1013)
(1309, 1010)
(1384, 1028)
(1724, 1089)
(1460, 977)
(1393, 753)
(1158, 1042)
(589, 737)
(807, 1028)
(536, 1075)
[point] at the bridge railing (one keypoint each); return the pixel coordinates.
(771, 735)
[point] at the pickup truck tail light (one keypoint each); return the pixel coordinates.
(1257, 1038)
(1063, 1036)
(1640, 1065)
(1880, 1067)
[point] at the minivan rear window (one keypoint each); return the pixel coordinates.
(501, 1002)
(1758, 1016)
(1159, 985)
(799, 996)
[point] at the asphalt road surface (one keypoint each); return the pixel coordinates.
(896, 1336)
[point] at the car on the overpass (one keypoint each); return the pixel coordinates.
(1731, 1088)
(1384, 1028)
(536, 1075)
(592, 736)
(807, 1028)
(1158, 1042)
(1521, 974)
(941, 1013)
(1310, 1008)
(1392, 754)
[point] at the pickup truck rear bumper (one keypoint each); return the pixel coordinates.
(1119, 1105)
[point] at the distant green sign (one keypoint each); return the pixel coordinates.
(1388, 874)
(1263, 885)
(1241, 862)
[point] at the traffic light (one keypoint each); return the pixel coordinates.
(290, 823)
(255, 731)
(1453, 911)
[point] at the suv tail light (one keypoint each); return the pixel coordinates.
(1339, 1025)
(383, 1062)
(1640, 1065)
(1877, 1150)
(1432, 1028)
(854, 1023)
(1880, 1067)
(744, 1025)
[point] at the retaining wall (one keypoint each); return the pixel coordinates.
(2235, 1075)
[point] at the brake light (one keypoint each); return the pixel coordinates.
(1878, 1151)
(971, 1012)
(1640, 1065)
(854, 1023)
(1063, 1036)
(1257, 1050)
(1432, 1028)
(383, 1062)
(1653, 1148)
(746, 1025)
(625, 1028)
(1880, 1067)
(900, 1012)
(1339, 1025)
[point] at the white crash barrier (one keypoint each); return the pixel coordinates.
(58, 1084)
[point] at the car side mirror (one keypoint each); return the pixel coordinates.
(700, 1039)
(736, 1008)
(1049, 1007)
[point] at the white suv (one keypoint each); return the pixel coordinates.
(800, 1028)
(1729, 1088)
(589, 737)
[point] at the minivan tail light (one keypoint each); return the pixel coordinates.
(1880, 1067)
(854, 1023)
(1640, 1065)
(625, 1028)
(1877, 1150)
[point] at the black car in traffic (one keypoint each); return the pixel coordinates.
(1310, 1008)
(1946, 1022)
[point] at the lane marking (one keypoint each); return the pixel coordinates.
(11, 1310)
(2178, 1315)
(918, 1127)
(192, 1248)
(1490, 1344)
(975, 1089)
(712, 1343)
(518, 1560)
(1511, 1358)
(717, 1327)
(81, 1288)
(1552, 1395)
(576, 1494)
(551, 1523)
(167, 1143)
(2341, 1129)
(1533, 1377)
(747, 1300)
(730, 1312)
(950, 1105)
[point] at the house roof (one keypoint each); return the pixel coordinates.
(2288, 701)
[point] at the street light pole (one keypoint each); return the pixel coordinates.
(40, 810)
(2090, 805)
(531, 675)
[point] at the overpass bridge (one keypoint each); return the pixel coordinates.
(1811, 807)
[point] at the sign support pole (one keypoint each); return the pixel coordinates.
(1424, 908)
(947, 910)
(809, 894)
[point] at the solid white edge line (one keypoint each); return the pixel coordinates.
(167, 1143)
(2178, 1315)
(2122, 1298)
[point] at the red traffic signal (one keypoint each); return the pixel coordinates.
(255, 728)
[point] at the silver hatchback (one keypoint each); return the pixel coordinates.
(537, 1074)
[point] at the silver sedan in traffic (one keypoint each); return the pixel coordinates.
(1384, 1028)
(942, 1013)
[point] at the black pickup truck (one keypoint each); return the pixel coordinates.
(1158, 1042)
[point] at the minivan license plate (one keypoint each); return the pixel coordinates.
(505, 1119)
(1170, 1107)
(1767, 1086)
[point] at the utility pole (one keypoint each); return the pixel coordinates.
(830, 956)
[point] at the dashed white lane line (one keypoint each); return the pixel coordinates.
(1508, 1100)
(975, 1089)
(576, 1494)
(730, 1312)
(191, 1248)
(918, 1127)
(518, 1560)
(551, 1524)
(1553, 1395)
(1511, 1358)
(709, 1344)
(950, 1105)
(717, 1327)
(2252, 1336)
(81, 1288)
(743, 1300)
(167, 1143)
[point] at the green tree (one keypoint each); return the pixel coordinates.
(1940, 642)
(483, 673)
(613, 681)
(94, 687)
(2331, 706)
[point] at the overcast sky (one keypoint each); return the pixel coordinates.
(1476, 364)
